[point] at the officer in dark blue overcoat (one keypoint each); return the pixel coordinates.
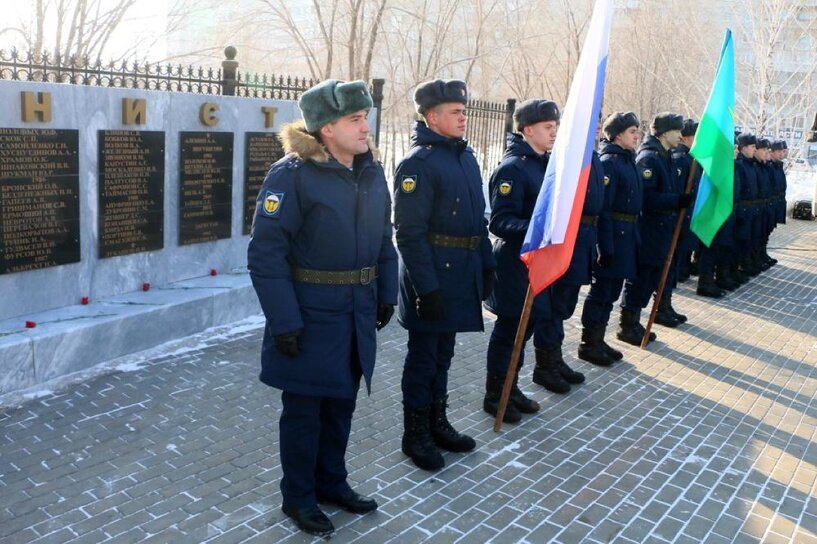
(779, 151)
(663, 198)
(747, 219)
(564, 292)
(513, 189)
(324, 267)
(688, 243)
(765, 205)
(446, 265)
(618, 234)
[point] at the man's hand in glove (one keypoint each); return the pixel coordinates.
(384, 313)
(287, 343)
(430, 306)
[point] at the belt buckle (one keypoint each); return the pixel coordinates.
(366, 275)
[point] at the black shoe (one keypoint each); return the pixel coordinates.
(310, 520)
(612, 352)
(667, 301)
(417, 442)
(444, 434)
(666, 319)
(570, 376)
(630, 330)
(592, 347)
(351, 501)
(709, 290)
(522, 402)
(546, 372)
(493, 393)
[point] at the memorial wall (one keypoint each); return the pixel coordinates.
(103, 190)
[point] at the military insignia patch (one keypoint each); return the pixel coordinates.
(408, 184)
(505, 187)
(647, 174)
(272, 203)
(606, 181)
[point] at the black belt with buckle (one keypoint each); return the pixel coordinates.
(626, 217)
(589, 220)
(662, 212)
(458, 242)
(364, 276)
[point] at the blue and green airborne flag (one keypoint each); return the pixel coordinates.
(713, 148)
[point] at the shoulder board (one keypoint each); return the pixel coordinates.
(423, 151)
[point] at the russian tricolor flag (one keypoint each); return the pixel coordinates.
(551, 236)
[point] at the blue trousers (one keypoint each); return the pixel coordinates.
(314, 435)
(706, 261)
(425, 371)
(604, 292)
(563, 299)
(500, 346)
(637, 292)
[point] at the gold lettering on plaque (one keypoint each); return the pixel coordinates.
(34, 108)
(206, 114)
(134, 111)
(269, 116)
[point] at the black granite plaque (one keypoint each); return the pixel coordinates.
(39, 198)
(262, 149)
(131, 191)
(205, 186)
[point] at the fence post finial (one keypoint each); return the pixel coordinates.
(229, 67)
(377, 98)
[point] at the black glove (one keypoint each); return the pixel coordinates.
(605, 261)
(487, 283)
(384, 313)
(430, 306)
(684, 200)
(287, 343)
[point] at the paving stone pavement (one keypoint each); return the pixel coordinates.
(705, 437)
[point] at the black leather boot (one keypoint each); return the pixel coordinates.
(680, 317)
(417, 441)
(723, 278)
(707, 287)
(592, 347)
(612, 352)
(664, 317)
(493, 392)
(546, 372)
(630, 330)
(518, 398)
(444, 435)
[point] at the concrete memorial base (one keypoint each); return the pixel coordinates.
(75, 338)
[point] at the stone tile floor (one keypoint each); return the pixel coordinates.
(707, 436)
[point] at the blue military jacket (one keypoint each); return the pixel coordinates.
(766, 213)
(584, 254)
(314, 213)
(779, 192)
(622, 195)
(438, 190)
(746, 211)
(662, 190)
(513, 189)
(683, 162)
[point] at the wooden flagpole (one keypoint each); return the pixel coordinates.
(517, 350)
(679, 223)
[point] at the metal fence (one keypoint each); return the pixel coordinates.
(487, 125)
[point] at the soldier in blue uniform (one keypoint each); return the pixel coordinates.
(747, 218)
(513, 189)
(765, 205)
(663, 198)
(446, 265)
(324, 268)
(618, 234)
(779, 151)
(564, 292)
(687, 241)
